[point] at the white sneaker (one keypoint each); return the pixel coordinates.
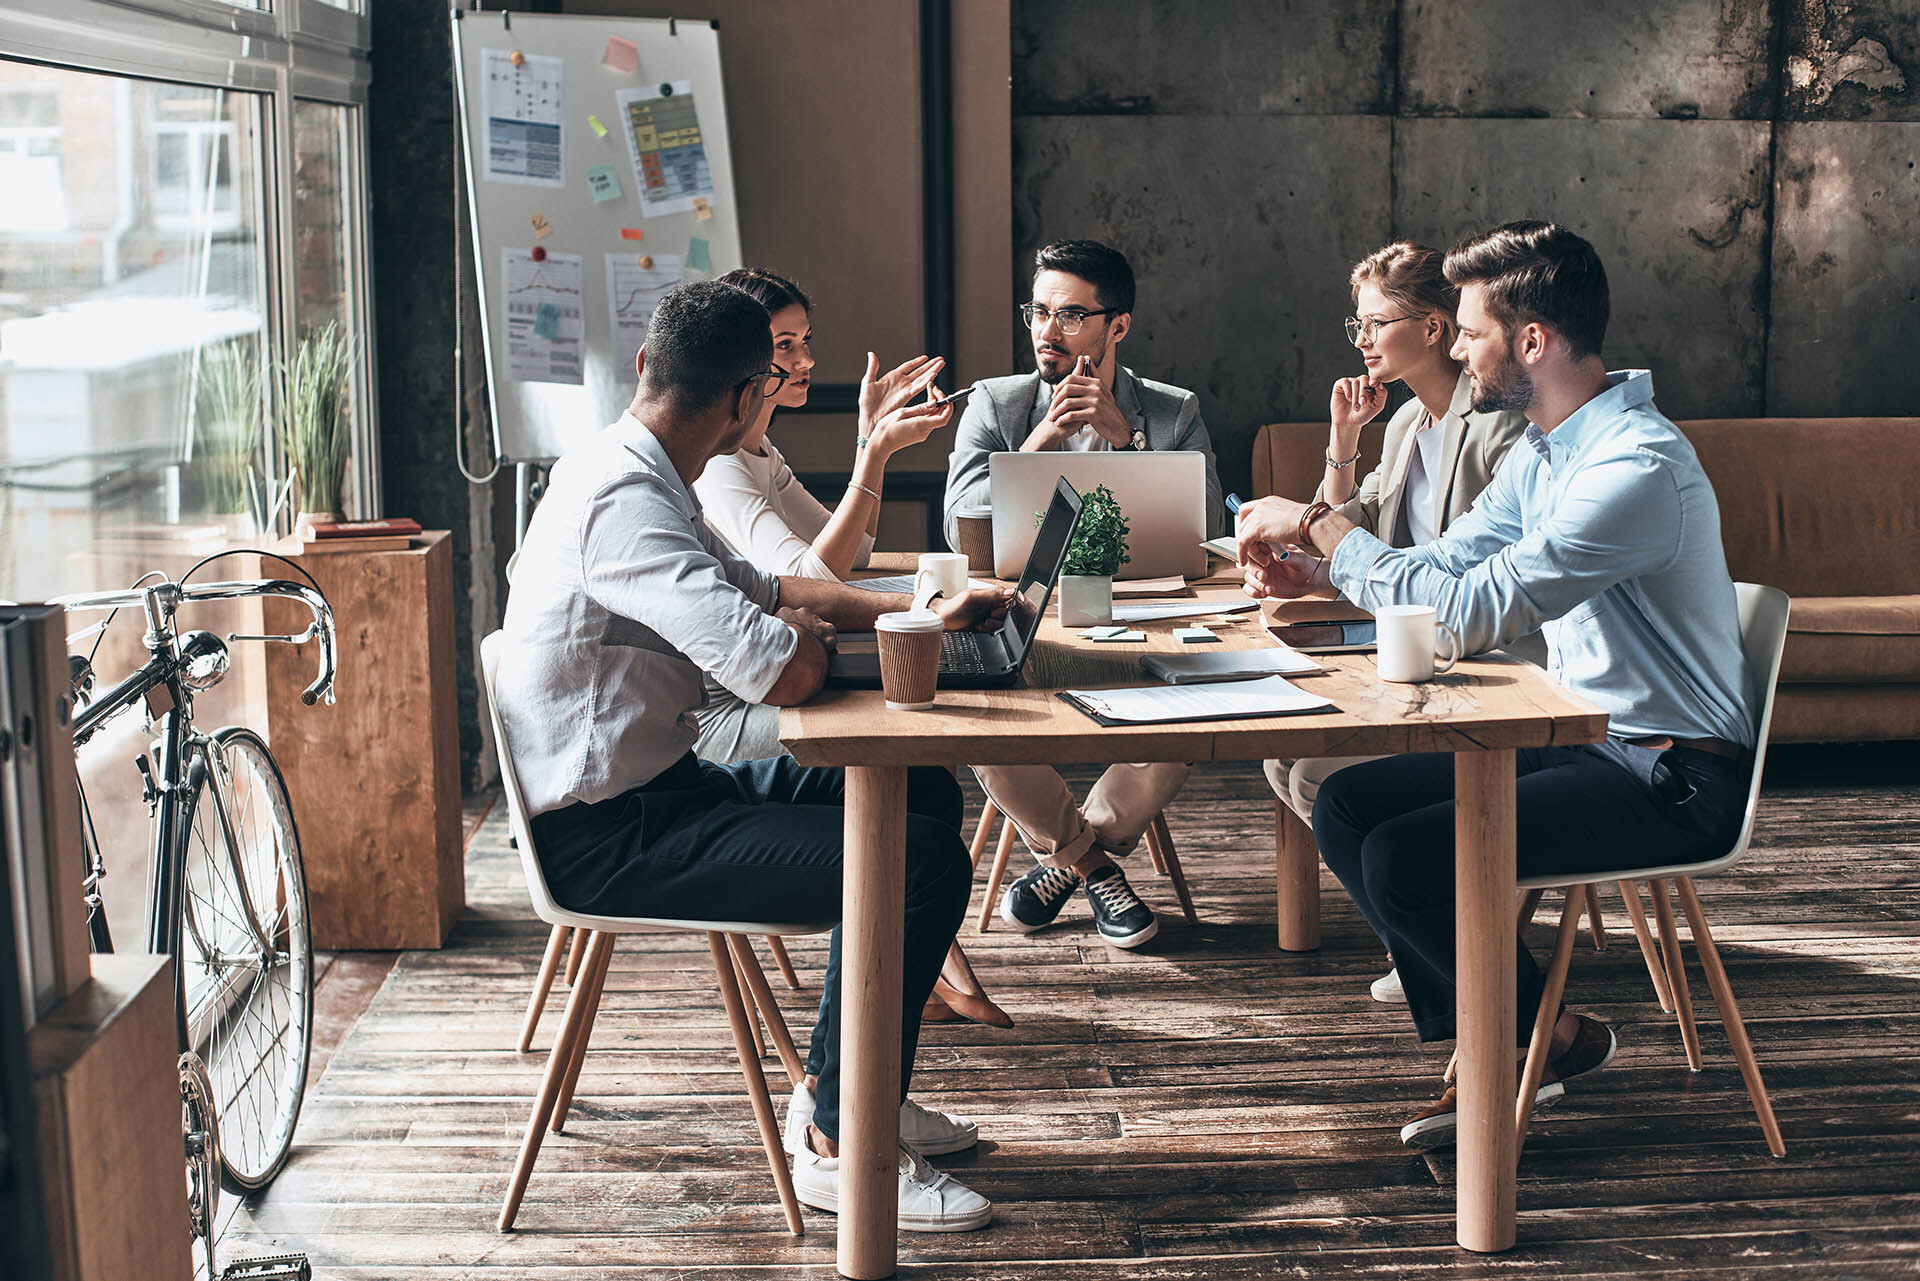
(926, 1131)
(930, 1200)
(1387, 990)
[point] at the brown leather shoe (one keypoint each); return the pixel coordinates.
(957, 994)
(1592, 1048)
(1436, 1125)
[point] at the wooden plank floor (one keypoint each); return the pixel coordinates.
(1206, 1107)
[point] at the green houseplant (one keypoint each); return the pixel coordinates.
(229, 411)
(1094, 555)
(312, 426)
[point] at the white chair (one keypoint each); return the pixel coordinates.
(1763, 634)
(732, 957)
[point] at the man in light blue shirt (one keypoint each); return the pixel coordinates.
(1604, 534)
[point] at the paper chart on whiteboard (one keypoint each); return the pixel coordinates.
(545, 321)
(633, 292)
(525, 111)
(668, 151)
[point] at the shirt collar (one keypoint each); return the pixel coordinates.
(639, 440)
(1628, 389)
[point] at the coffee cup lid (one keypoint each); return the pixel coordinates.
(972, 510)
(910, 620)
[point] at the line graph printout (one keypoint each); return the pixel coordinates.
(545, 320)
(668, 150)
(633, 292)
(524, 107)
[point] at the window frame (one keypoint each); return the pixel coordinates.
(286, 50)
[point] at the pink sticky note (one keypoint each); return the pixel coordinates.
(622, 54)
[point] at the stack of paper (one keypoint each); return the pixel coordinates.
(1160, 704)
(897, 583)
(1171, 585)
(1159, 613)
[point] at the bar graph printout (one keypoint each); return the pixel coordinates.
(524, 107)
(633, 292)
(545, 320)
(668, 150)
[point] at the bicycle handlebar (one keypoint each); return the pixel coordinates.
(162, 599)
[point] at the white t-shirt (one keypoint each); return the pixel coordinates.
(761, 510)
(1417, 510)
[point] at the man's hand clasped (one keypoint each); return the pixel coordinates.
(1266, 527)
(1080, 401)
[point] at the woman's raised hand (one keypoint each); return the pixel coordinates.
(911, 424)
(881, 394)
(1355, 403)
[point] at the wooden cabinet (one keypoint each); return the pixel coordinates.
(375, 779)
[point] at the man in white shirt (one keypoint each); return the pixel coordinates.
(623, 597)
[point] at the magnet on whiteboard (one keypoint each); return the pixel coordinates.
(517, 58)
(666, 91)
(539, 253)
(646, 262)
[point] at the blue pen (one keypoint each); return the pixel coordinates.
(1233, 509)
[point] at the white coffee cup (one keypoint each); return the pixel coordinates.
(1405, 636)
(944, 571)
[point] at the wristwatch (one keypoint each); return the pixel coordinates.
(1139, 441)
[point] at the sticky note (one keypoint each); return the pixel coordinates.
(1101, 633)
(1193, 635)
(593, 123)
(1123, 635)
(702, 210)
(604, 183)
(541, 227)
(631, 233)
(622, 55)
(697, 256)
(546, 322)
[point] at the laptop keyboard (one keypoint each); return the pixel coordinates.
(961, 655)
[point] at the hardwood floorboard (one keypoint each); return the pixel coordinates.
(1208, 1107)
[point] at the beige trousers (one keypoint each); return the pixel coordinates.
(1298, 782)
(1117, 810)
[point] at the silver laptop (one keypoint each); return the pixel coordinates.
(1162, 495)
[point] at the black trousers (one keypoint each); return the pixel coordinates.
(761, 841)
(1386, 829)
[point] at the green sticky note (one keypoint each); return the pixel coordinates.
(1194, 635)
(697, 257)
(546, 322)
(593, 123)
(604, 183)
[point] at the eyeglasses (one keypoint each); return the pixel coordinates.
(1363, 328)
(1069, 318)
(777, 375)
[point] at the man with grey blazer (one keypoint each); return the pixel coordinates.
(1078, 398)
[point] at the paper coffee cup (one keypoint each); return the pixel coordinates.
(909, 657)
(973, 535)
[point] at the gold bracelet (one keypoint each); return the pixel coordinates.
(871, 493)
(1304, 535)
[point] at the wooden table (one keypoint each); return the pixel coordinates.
(1482, 712)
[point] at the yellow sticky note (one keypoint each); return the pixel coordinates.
(593, 123)
(541, 227)
(702, 211)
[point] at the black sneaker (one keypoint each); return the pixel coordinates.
(1122, 919)
(1032, 902)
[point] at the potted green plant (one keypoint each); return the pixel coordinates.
(1094, 555)
(312, 427)
(229, 410)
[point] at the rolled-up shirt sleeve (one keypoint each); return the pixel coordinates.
(1615, 520)
(701, 599)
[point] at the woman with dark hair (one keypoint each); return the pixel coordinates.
(751, 497)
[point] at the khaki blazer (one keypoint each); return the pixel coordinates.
(1475, 444)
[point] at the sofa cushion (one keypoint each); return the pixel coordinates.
(1290, 458)
(1817, 506)
(1845, 713)
(1842, 639)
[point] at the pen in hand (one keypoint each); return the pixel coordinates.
(1233, 509)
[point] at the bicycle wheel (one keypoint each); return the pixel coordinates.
(245, 995)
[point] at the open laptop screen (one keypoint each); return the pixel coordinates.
(1043, 569)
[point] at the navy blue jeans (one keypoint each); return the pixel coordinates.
(1386, 829)
(761, 841)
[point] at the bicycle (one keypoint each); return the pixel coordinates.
(227, 894)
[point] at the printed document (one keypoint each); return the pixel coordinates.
(1272, 696)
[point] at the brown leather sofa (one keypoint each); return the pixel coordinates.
(1826, 509)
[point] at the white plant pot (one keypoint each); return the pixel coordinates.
(1085, 600)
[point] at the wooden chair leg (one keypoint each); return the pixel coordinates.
(595, 981)
(543, 984)
(991, 901)
(1543, 1022)
(769, 1011)
(785, 962)
(558, 1063)
(1594, 921)
(1730, 1015)
(1160, 842)
(575, 956)
(1656, 970)
(989, 813)
(1676, 971)
(723, 972)
(753, 1011)
(1528, 905)
(1156, 852)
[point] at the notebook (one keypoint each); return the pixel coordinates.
(1168, 704)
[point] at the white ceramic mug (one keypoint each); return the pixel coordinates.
(946, 571)
(1405, 636)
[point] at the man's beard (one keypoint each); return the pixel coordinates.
(1053, 379)
(1508, 387)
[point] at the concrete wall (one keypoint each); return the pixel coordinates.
(1746, 170)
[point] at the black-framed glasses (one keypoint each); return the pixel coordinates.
(778, 375)
(1069, 318)
(1364, 327)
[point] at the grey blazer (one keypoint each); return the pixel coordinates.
(1475, 443)
(1001, 413)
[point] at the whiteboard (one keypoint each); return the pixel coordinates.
(561, 326)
